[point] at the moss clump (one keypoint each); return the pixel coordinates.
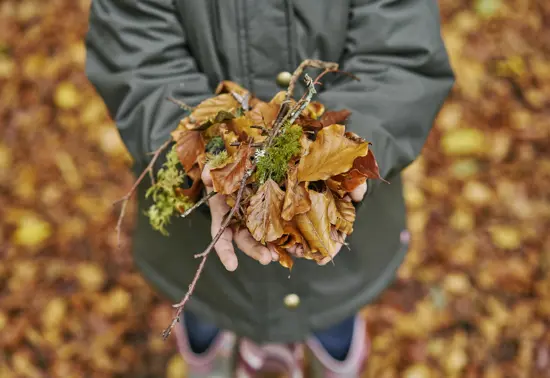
(218, 160)
(273, 163)
(215, 145)
(166, 200)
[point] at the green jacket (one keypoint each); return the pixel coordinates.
(142, 51)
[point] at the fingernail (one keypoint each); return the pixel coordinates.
(266, 257)
(230, 263)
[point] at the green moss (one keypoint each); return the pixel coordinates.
(215, 161)
(165, 198)
(215, 145)
(274, 162)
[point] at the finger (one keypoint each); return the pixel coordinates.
(358, 193)
(224, 249)
(292, 249)
(206, 177)
(300, 251)
(274, 254)
(252, 248)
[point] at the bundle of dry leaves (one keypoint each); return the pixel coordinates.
(286, 168)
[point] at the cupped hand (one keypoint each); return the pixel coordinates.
(244, 240)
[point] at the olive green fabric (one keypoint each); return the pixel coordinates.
(142, 51)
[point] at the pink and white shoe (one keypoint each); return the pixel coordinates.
(218, 361)
(322, 365)
(282, 359)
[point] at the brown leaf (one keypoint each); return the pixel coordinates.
(241, 126)
(195, 190)
(314, 110)
(328, 118)
(263, 114)
(345, 215)
(330, 154)
(227, 86)
(264, 213)
(296, 196)
(364, 167)
(228, 138)
(189, 146)
(291, 235)
(336, 186)
(315, 224)
(284, 257)
(227, 179)
(213, 110)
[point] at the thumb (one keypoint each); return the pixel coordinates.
(358, 193)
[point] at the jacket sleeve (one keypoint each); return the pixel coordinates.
(137, 56)
(395, 49)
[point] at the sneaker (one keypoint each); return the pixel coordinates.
(322, 365)
(218, 361)
(280, 360)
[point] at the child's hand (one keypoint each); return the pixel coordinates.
(243, 238)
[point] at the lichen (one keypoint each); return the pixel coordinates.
(166, 200)
(274, 162)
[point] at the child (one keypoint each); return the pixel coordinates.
(142, 51)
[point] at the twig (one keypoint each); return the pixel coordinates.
(198, 204)
(204, 255)
(181, 104)
(314, 63)
(128, 195)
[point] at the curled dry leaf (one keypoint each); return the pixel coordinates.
(330, 154)
(213, 110)
(189, 146)
(227, 178)
(264, 213)
(341, 213)
(296, 196)
(328, 118)
(263, 114)
(315, 225)
(195, 190)
(241, 126)
(285, 259)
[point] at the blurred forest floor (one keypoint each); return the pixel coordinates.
(472, 300)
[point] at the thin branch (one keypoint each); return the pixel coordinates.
(198, 204)
(181, 104)
(128, 195)
(314, 63)
(204, 255)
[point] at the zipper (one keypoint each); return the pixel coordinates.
(244, 56)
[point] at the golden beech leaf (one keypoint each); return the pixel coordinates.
(330, 154)
(296, 196)
(315, 225)
(336, 186)
(228, 138)
(227, 86)
(241, 126)
(227, 179)
(189, 146)
(264, 213)
(291, 235)
(284, 257)
(344, 215)
(263, 114)
(208, 110)
(280, 97)
(315, 110)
